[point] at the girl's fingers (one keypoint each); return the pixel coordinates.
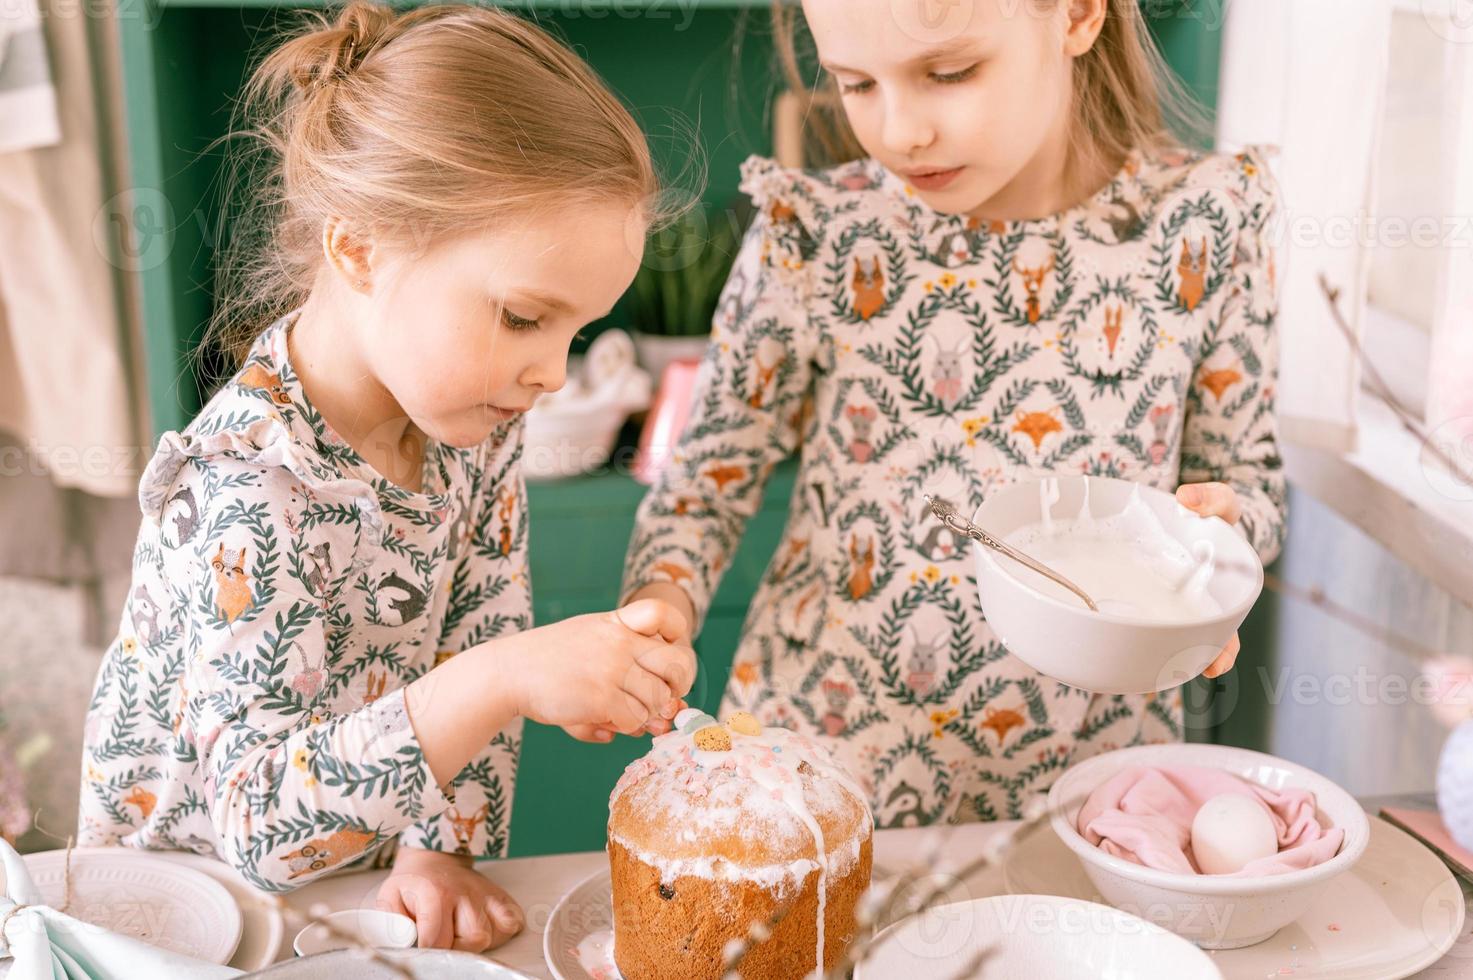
(629, 714)
(651, 691)
(472, 926)
(504, 912)
(676, 665)
(652, 617)
(434, 926)
(1210, 500)
(590, 733)
(1225, 659)
(389, 899)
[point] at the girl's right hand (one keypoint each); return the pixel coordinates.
(625, 671)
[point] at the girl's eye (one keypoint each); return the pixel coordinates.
(952, 77)
(855, 88)
(517, 322)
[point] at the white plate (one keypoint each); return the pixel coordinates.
(587, 908)
(262, 925)
(134, 893)
(1041, 937)
(1397, 911)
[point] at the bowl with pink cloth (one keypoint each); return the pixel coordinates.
(1128, 816)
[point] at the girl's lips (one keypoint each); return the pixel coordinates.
(933, 180)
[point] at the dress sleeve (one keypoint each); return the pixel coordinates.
(490, 596)
(291, 794)
(747, 410)
(1230, 434)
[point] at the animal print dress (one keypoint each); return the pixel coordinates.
(898, 351)
(283, 594)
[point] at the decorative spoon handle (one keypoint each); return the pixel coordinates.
(946, 513)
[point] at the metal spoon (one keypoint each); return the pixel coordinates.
(946, 513)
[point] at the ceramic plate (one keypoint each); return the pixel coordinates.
(262, 925)
(135, 893)
(587, 909)
(1041, 937)
(1397, 911)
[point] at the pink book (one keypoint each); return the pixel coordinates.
(1427, 826)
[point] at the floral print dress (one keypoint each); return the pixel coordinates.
(897, 351)
(283, 594)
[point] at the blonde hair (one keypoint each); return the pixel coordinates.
(415, 126)
(1125, 95)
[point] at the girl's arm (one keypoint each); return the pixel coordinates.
(1229, 433)
(747, 415)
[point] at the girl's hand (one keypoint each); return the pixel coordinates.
(1215, 500)
(672, 595)
(452, 905)
(622, 671)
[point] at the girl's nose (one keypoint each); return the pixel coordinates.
(547, 374)
(906, 131)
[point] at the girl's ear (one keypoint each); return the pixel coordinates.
(349, 253)
(1086, 20)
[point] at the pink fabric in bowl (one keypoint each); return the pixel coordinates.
(1144, 814)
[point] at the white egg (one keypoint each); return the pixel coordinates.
(1229, 832)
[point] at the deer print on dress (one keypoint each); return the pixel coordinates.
(765, 373)
(869, 289)
(460, 530)
(373, 686)
(920, 667)
(1114, 320)
(1160, 417)
(1193, 271)
(258, 378)
(674, 571)
(838, 695)
(412, 605)
(862, 421)
(1033, 279)
(233, 593)
(465, 827)
(861, 578)
(145, 616)
(188, 522)
(946, 372)
(320, 853)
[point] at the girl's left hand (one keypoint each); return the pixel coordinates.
(452, 904)
(1214, 500)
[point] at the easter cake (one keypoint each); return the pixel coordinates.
(734, 836)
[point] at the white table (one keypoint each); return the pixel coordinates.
(538, 882)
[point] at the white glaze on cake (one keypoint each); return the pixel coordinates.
(756, 788)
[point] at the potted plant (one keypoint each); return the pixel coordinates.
(679, 283)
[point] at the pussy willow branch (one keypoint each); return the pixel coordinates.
(1382, 391)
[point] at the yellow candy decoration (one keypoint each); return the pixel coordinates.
(713, 738)
(743, 723)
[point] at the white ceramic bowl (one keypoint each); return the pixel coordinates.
(1097, 651)
(375, 927)
(1040, 937)
(1215, 912)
